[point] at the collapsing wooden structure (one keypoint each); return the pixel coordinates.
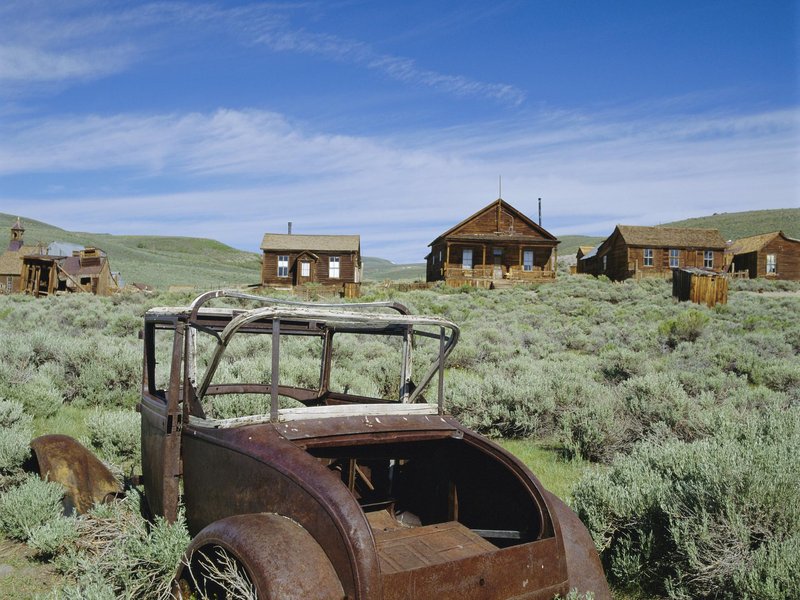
(701, 286)
(87, 270)
(496, 246)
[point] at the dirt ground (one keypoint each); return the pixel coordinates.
(21, 576)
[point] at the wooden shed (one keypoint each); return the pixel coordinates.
(771, 255)
(580, 263)
(333, 261)
(637, 251)
(497, 245)
(701, 286)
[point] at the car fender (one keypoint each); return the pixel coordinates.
(87, 480)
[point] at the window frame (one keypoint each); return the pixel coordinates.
(772, 263)
(674, 258)
(527, 266)
(283, 265)
(648, 260)
(464, 253)
(334, 267)
(305, 268)
(708, 259)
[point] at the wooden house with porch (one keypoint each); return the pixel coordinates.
(772, 255)
(496, 246)
(637, 251)
(333, 261)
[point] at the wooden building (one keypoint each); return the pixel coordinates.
(636, 251)
(700, 286)
(580, 264)
(495, 246)
(771, 255)
(87, 270)
(11, 260)
(332, 261)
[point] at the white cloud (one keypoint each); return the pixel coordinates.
(46, 43)
(238, 174)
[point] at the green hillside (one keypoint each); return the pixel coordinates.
(570, 243)
(156, 260)
(379, 269)
(743, 224)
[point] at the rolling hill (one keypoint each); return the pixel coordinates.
(737, 225)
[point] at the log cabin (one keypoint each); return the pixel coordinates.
(333, 261)
(637, 251)
(496, 246)
(771, 255)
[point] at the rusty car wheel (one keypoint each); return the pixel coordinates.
(264, 556)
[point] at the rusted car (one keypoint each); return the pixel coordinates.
(315, 487)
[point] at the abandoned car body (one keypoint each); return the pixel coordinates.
(318, 490)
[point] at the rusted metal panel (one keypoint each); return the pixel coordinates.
(87, 480)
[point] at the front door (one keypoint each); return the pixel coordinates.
(304, 272)
(498, 263)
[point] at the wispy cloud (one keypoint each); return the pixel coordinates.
(240, 173)
(42, 43)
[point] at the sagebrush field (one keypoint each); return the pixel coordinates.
(673, 429)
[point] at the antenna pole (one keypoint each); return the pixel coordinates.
(540, 212)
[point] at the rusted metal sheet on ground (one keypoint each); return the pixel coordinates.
(87, 480)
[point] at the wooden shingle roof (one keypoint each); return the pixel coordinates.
(754, 243)
(671, 237)
(319, 243)
(502, 205)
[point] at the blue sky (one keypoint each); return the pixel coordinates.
(394, 120)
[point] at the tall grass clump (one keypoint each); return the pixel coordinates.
(28, 506)
(112, 548)
(718, 517)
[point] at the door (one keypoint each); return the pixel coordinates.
(498, 263)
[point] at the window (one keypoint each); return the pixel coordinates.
(605, 262)
(648, 257)
(333, 267)
(440, 256)
(527, 260)
(283, 266)
(673, 258)
(305, 269)
(9, 283)
(708, 259)
(772, 264)
(466, 258)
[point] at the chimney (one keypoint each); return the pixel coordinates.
(540, 212)
(290, 228)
